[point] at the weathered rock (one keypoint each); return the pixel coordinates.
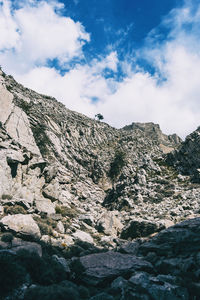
(109, 224)
(22, 224)
(176, 239)
(63, 262)
(18, 245)
(168, 292)
(83, 236)
(107, 266)
(60, 227)
(102, 296)
(45, 205)
(140, 228)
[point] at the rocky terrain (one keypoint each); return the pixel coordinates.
(88, 211)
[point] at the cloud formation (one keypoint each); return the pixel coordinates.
(38, 32)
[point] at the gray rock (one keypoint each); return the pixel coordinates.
(18, 245)
(83, 236)
(45, 205)
(109, 224)
(175, 239)
(140, 228)
(23, 224)
(60, 227)
(63, 263)
(102, 296)
(106, 266)
(168, 292)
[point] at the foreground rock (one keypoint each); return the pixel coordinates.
(21, 224)
(140, 228)
(103, 267)
(181, 239)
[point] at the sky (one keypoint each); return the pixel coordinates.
(130, 60)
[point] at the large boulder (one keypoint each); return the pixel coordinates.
(83, 236)
(109, 224)
(103, 267)
(45, 205)
(140, 228)
(22, 224)
(181, 238)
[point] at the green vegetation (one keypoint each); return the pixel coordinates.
(116, 165)
(46, 225)
(6, 197)
(99, 117)
(13, 210)
(42, 139)
(66, 211)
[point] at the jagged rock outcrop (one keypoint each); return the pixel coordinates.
(58, 199)
(187, 158)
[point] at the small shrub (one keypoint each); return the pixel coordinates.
(7, 237)
(14, 210)
(44, 228)
(66, 211)
(46, 225)
(6, 197)
(116, 165)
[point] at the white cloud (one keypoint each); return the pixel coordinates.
(36, 33)
(9, 35)
(140, 96)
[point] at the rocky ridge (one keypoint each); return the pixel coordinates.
(56, 192)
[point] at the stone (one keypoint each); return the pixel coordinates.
(175, 239)
(45, 206)
(19, 244)
(83, 236)
(109, 224)
(140, 228)
(102, 267)
(22, 224)
(168, 292)
(1, 210)
(60, 227)
(119, 283)
(63, 262)
(52, 191)
(88, 219)
(102, 296)
(130, 248)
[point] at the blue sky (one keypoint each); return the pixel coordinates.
(131, 60)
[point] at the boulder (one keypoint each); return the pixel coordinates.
(22, 224)
(103, 267)
(45, 205)
(18, 245)
(140, 228)
(83, 236)
(60, 227)
(109, 223)
(175, 239)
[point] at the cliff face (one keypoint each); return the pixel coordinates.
(55, 184)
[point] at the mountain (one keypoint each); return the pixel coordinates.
(86, 198)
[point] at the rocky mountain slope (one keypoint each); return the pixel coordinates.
(59, 200)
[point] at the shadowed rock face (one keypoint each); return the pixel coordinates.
(103, 267)
(187, 158)
(56, 197)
